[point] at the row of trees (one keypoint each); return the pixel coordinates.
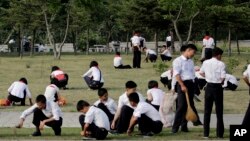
(85, 22)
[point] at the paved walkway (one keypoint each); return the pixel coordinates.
(70, 119)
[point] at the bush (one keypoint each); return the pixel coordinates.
(160, 67)
(232, 64)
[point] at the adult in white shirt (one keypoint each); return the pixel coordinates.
(154, 94)
(94, 121)
(135, 44)
(118, 62)
(18, 92)
(230, 82)
(208, 45)
(59, 77)
(166, 78)
(52, 92)
(214, 72)
(45, 113)
(124, 109)
(146, 115)
(246, 77)
(106, 103)
(93, 77)
(183, 71)
(150, 55)
(166, 54)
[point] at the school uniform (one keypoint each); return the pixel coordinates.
(109, 107)
(166, 55)
(52, 110)
(246, 120)
(18, 92)
(59, 77)
(98, 122)
(214, 71)
(126, 112)
(185, 68)
(118, 63)
(151, 55)
(230, 82)
(166, 78)
(201, 80)
(93, 77)
(208, 44)
(168, 41)
(149, 118)
(51, 93)
(157, 95)
(135, 43)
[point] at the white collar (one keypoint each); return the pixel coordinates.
(183, 57)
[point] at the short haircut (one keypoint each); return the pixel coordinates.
(188, 46)
(118, 53)
(164, 46)
(93, 64)
(41, 99)
(130, 84)
(217, 51)
(133, 97)
(81, 104)
(144, 48)
(55, 82)
(54, 68)
(207, 33)
(24, 80)
(102, 92)
(152, 84)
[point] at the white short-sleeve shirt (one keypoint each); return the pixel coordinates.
(167, 53)
(167, 74)
(50, 92)
(123, 100)
(95, 72)
(117, 61)
(247, 72)
(98, 117)
(148, 110)
(110, 104)
(136, 41)
(208, 42)
(157, 95)
(18, 88)
(230, 78)
(150, 52)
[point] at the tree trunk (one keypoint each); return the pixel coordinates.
(108, 39)
(215, 31)
(33, 43)
(87, 44)
(9, 35)
(237, 42)
(19, 42)
(64, 39)
(127, 42)
(156, 42)
(177, 32)
(229, 42)
(191, 26)
(73, 34)
(172, 41)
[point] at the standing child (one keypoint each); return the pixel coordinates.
(135, 44)
(106, 103)
(246, 120)
(154, 94)
(94, 121)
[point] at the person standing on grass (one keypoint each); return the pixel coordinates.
(246, 120)
(166, 54)
(214, 72)
(45, 113)
(59, 77)
(106, 103)
(208, 45)
(18, 92)
(150, 55)
(94, 122)
(154, 94)
(135, 44)
(118, 62)
(183, 72)
(93, 77)
(145, 115)
(124, 110)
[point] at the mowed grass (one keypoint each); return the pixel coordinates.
(38, 68)
(74, 134)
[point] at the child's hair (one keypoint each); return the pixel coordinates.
(81, 104)
(164, 46)
(152, 84)
(130, 84)
(54, 68)
(217, 51)
(93, 64)
(207, 33)
(102, 92)
(144, 48)
(118, 53)
(55, 82)
(41, 98)
(189, 46)
(24, 80)
(133, 97)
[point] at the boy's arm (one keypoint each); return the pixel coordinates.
(131, 124)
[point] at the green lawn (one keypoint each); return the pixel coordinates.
(74, 134)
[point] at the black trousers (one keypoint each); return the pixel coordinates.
(180, 116)
(124, 67)
(137, 59)
(246, 120)
(165, 58)
(96, 132)
(124, 120)
(208, 53)
(55, 125)
(157, 107)
(61, 83)
(165, 81)
(147, 125)
(196, 87)
(13, 98)
(214, 93)
(94, 85)
(202, 83)
(152, 58)
(231, 86)
(106, 110)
